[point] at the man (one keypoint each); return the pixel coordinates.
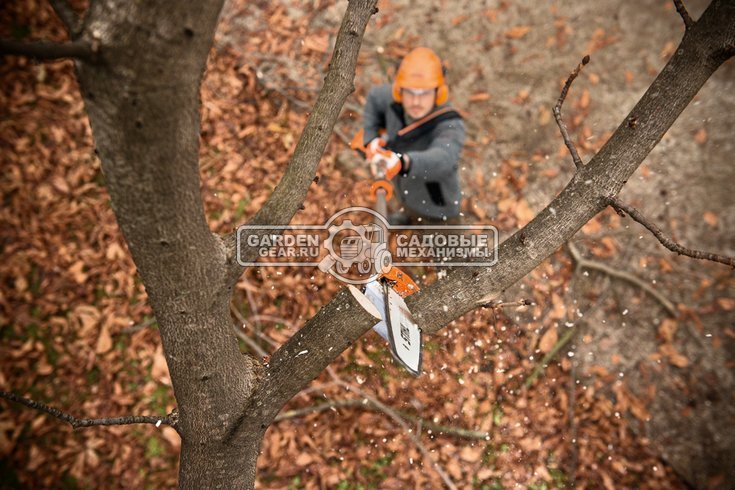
(422, 141)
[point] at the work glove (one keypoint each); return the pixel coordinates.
(373, 147)
(385, 164)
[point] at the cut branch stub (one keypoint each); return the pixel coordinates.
(44, 50)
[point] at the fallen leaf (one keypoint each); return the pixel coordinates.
(104, 341)
(459, 19)
(678, 360)
(710, 218)
(517, 32)
(304, 459)
(521, 97)
(700, 137)
(159, 368)
(727, 304)
(479, 97)
(544, 116)
(471, 454)
(77, 273)
(523, 212)
(549, 339)
(667, 329)
(584, 99)
(172, 437)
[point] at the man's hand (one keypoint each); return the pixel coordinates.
(385, 164)
(373, 147)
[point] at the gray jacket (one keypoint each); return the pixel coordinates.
(431, 186)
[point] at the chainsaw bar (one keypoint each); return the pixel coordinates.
(404, 335)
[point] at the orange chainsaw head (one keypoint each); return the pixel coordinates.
(400, 282)
(421, 69)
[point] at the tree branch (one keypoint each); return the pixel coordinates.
(367, 404)
(506, 304)
(688, 22)
(342, 321)
(625, 276)
(43, 50)
(170, 419)
(564, 340)
(71, 20)
(557, 113)
(666, 241)
(338, 85)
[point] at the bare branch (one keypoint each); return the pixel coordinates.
(137, 328)
(688, 21)
(549, 356)
(170, 419)
(505, 304)
(397, 418)
(557, 113)
(666, 241)
(71, 20)
(625, 276)
(43, 50)
(338, 85)
(366, 403)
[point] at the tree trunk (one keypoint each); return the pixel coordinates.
(142, 96)
(143, 103)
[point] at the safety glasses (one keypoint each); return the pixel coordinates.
(417, 92)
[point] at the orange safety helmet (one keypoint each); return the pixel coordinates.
(421, 68)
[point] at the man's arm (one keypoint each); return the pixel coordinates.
(378, 101)
(441, 158)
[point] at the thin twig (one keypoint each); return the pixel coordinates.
(397, 418)
(666, 241)
(549, 356)
(67, 15)
(368, 405)
(341, 135)
(252, 344)
(44, 50)
(170, 419)
(379, 50)
(626, 276)
(507, 304)
(140, 326)
(253, 306)
(273, 319)
(688, 21)
(557, 113)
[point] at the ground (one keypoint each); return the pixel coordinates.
(616, 407)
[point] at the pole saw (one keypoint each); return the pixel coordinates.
(384, 297)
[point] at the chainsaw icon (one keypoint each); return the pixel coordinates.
(365, 246)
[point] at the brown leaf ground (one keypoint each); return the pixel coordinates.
(78, 334)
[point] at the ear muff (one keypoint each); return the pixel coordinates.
(396, 92)
(442, 94)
